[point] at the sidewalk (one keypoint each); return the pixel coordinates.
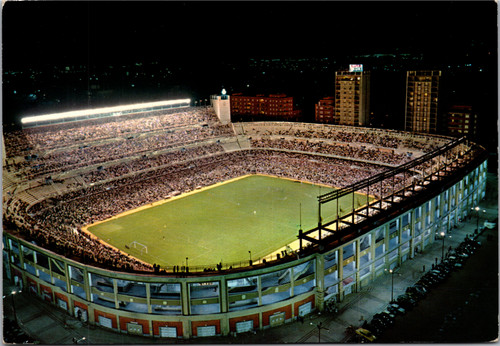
(50, 325)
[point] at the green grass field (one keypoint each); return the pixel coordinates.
(222, 223)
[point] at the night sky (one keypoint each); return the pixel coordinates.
(208, 46)
(102, 32)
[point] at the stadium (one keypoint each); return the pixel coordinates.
(167, 220)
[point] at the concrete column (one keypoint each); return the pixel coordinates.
(68, 277)
(356, 258)
(21, 254)
(340, 266)
(259, 287)
(450, 197)
(224, 325)
(320, 282)
(372, 253)
(115, 291)
(412, 233)
(90, 314)
(150, 323)
(260, 321)
(399, 232)
(71, 304)
(51, 278)
(184, 298)
(223, 295)
(86, 283)
(148, 298)
(186, 328)
(422, 240)
(386, 244)
(432, 224)
(35, 260)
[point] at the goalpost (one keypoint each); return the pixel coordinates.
(136, 245)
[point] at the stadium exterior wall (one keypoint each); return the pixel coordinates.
(204, 305)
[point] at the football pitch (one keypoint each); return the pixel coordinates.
(221, 223)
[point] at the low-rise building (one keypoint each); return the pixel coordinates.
(277, 106)
(325, 110)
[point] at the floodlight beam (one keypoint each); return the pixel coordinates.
(87, 112)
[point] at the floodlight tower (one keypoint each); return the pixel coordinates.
(222, 106)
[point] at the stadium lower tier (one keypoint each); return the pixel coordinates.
(197, 305)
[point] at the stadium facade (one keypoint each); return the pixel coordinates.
(334, 259)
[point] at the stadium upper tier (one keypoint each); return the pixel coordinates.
(58, 178)
(115, 111)
(51, 149)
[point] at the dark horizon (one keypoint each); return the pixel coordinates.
(181, 32)
(206, 46)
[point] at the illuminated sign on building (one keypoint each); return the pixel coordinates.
(355, 68)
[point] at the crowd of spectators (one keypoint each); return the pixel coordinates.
(344, 150)
(56, 223)
(377, 137)
(153, 156)
(96, 153)
(150, 161)
(21, 142)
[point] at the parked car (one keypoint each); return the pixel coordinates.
(440, 273)
(389, 315)
(431, 278)
(413, 296)
(395, 309)
(374, 328)
(445, 267)
(380, 321)
(437, 275)
(454, 259)
(420, 288)
(387, 319)
(406, 301)
(416, 291)
(425, 282)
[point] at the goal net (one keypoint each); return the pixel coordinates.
(141, 247)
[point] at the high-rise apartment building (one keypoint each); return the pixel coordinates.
(352, 96)
(325, 110)
(277, 106)
(421, 113)
(462, 121)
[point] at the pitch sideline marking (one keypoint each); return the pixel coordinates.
(293, 244)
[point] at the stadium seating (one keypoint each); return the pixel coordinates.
(101, 167)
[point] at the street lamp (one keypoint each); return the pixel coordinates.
(392, 283)
(320, 326)
(442, 234)
(250, 253)
(13, 293)
(477, 209)
(477, 212)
